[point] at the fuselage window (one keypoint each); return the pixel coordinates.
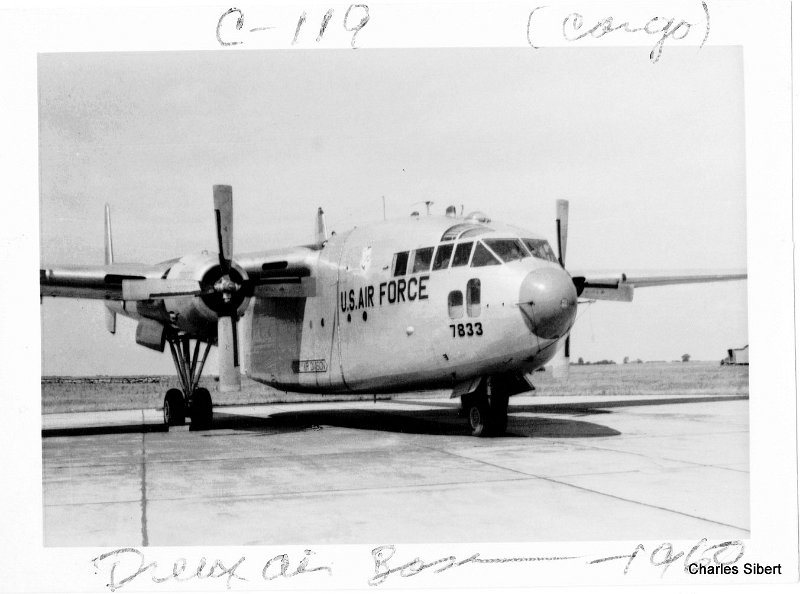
(461, 257)
(455, 304)
(540, 249)
(442, 259)
(422, 259)
(400, 263)
(509, 250)
(474, 297)
(483, 257)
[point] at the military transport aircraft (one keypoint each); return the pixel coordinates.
(463, 303)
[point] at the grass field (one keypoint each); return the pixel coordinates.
(647, 378)
(70, 394)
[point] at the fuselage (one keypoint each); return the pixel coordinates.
(423, 302)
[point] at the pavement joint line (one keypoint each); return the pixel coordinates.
(90, 465)
(255, 496)
(567, 484)
(685, 465)
(641, 455)
(269, 456)
(606, 473)
(647, 505)
(79, 503)
(144, 489)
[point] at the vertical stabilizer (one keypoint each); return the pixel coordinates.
(111, 317)
(322, 231)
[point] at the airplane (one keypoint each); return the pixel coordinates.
(453, 302)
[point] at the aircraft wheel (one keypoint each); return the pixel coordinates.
(174, 408)
(499, 408)
(479, 415)
(201, 410)
(487, 416)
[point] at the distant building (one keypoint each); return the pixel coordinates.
(737, 356)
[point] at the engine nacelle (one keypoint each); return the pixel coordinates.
(224, 294)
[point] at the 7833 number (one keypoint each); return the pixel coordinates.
(468, 329)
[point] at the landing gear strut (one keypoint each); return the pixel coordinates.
(196, 401)
(486, 410)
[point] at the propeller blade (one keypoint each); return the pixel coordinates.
(559, 365)
(234, 328)
(322, 231)
(562, 220)
(223, 209)
(158, 288)
(230, 380)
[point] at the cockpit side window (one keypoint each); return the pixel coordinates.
(461, 257)
(474, 297)
(540, 249)
(509, 250)
(400, 264)
(455, 304)
(442, 258)
(422, 259)
(483, 257)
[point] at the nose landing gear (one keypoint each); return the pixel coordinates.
(486, 410)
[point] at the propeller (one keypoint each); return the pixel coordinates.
(560, 363)
(223, 289)
(227, 286)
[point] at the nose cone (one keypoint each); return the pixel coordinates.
(549, 302)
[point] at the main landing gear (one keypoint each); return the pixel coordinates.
(190, 400)
(486, 410)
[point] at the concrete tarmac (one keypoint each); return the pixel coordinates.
(401, 471)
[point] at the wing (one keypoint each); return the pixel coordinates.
(621, 288)
(272, 273)
(282, 272)
(90, 282)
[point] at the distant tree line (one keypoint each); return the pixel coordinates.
(684, 358)
(601, 362)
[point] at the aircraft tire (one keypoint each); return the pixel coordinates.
(487, 416)
(201, 410)
(174, 408)
(499, 413)
(479, 416)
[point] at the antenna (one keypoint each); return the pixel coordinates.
(428, 206)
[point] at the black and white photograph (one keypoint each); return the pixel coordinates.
(326, 304)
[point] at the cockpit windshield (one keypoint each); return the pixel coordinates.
(541, 249)
(483, 257)
(509, 250)
(490, 251)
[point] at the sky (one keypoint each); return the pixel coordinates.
(651, 157)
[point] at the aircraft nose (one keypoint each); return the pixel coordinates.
(549, 302)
